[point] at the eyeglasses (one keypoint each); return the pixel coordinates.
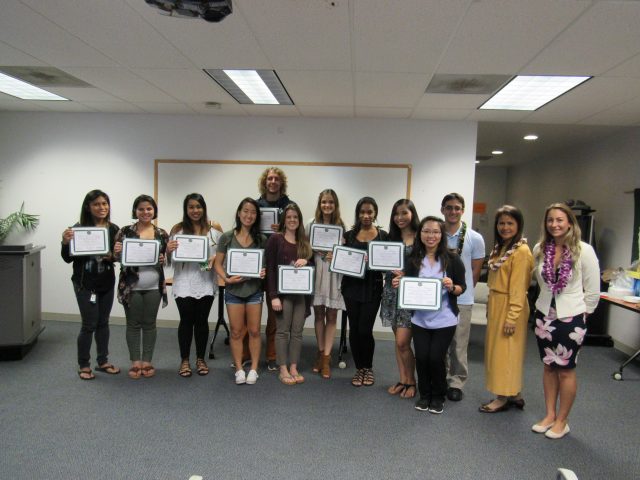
(453, 208)
(431, 232)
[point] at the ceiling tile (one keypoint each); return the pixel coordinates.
(441, 113)
(497, 115)
(332, 112)
(13, 56)
(389, 89)
(318, 88)
(381, 112)
(189, 86)
(627, 113)
(445, 101)
(629, 68)
(272, 110)
(113, 107)
(226, 109)
(168, 108)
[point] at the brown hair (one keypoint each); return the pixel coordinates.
(262, 181)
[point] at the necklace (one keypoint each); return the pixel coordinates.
(496, 262)
(556, 285)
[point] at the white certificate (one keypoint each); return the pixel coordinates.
(420, 293)
(295, 280)
(137, 252)
(246, 262)
(89, 241)
(348, 261)
(386, 255)
(191, 248)
(268, 216)
(324, 237)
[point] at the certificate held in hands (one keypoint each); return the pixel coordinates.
(386, 255)
(245, 262)
(324, 237)
(292, 280)
(191, 248)
(348, 261)
(420, 293)
(137, 252)
(89, 241)
(268, 216)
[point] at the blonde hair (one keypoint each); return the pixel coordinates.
(262, 181)
(302, 244)
(336, 218)
(571, 239)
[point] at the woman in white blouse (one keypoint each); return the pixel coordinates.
(194, 284)
(568, 274)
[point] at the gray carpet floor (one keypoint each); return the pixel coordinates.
(54, 426)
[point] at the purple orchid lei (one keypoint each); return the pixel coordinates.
(548, 273)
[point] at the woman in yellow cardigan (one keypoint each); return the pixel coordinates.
(510, 269)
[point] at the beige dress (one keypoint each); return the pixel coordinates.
(504, 355)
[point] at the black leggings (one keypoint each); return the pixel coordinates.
(362, 316)
(431, 347)
(95, 322)
(194, 322)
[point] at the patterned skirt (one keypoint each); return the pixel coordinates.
(559, 339)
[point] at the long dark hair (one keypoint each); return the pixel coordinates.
(254, 231)
(357, 225)
(86, 219)
(144, 198)
(420, 251)
(302, 244)
(395, 235)
(187, 225)
(514, 213)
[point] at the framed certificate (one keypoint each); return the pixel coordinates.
(386, 255)
(137, 252)
(420, 293)
(268, 216)
(191, 248)
(246, 262)
(348, 261)
(295, 280)
(89, 241)
(324, 237)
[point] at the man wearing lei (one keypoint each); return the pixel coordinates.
(470, 246)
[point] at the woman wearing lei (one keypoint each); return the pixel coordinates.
(568, 273)
(510, 268)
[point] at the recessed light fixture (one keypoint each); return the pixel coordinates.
(530, 92)
(252, 87)
(25, 91)
(531, 137)
(477, 162)
(497, 152)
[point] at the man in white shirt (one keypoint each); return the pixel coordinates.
(470, 246)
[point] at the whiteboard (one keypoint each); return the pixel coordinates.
(224, 183)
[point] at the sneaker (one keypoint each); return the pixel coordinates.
(422, 405)
(272, 366)
(244, 364)
(436, 406)
(252, 377)
(240, 377)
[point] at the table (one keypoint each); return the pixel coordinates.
(634, 307)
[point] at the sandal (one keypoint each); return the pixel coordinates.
(185, 369)
(135, 372)
(298, 378)
(485, 408)
(148, 371)
(358, 378)
(86, 374)
(407, 389)
(108, 368)
(287, 379)
(201, 367)
(396, 389)
(368, 379)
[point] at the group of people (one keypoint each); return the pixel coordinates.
(445, 248)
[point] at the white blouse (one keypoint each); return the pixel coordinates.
(189, 280)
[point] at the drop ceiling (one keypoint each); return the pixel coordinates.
(342, 58)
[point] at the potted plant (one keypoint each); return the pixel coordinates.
(26, 221)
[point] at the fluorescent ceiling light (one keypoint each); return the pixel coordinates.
(25, 91)
(497, 152)
(252, 87)
(531, 92)
(530, 137)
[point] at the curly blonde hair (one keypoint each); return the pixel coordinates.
(262, 181)
(572, 238)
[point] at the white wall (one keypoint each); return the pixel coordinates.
(598, 174)
(51, 160)
(491, 189)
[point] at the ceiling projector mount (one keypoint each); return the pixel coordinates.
(211, 10)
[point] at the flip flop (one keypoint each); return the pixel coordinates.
(148, 371)
(90, 374)
(396, 389)
(298, 378)
(287, 379)
(405, 390)
(135, 372)
(108, 368)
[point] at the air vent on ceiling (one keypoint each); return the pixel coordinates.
(44, 76)
(466, 83)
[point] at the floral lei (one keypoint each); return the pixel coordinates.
(564, 273)
(494, 262)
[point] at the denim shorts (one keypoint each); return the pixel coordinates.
(231, 299)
